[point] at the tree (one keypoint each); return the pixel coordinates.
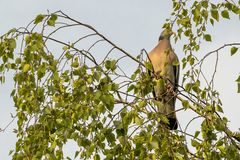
(64, 91)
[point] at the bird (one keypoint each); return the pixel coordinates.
(165, 72)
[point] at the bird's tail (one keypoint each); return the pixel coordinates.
(169, 111)
(173, 124)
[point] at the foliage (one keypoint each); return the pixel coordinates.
(65, 92)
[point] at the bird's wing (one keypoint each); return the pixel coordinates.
(150, 73)
(176, 71)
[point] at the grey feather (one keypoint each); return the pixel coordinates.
(162, 58)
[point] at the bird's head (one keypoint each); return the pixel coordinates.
(166, 34)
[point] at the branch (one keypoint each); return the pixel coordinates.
(94, 30)
(218, 49)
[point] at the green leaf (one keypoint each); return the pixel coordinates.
(134, 75)
(204, 3)
(191, 61)
(238, 79)
(96, 157)
(165, 156)
(114, 87)
(215, 14)
(111, 65)
(68, 55)
(59, 121)
(138, 120)
(39, 18)
(195, 143)
(208, 37)
(219, 125)
(76, 154)
(121, 132)
(2, 79)
(13, 92)
(10, 152)
(196, 134)
(238, 91)
(12, 43)
(208, 108)
(154, 144)
(26, 68)
(188, 86)
(65, 48)
(131, 87)
(184, 62)
(52, 20)
(148, 65)
(219, 109)
(237, 135)
(142, 104)
(97, 75)
(225, 14)
(233, 50)
(75, 63)
(13, 30)
(110, 136)
(185, 104)
(212, 21)
(108, 100)
(53, 145)
(18, 60)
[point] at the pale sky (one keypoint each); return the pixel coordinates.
(132, 25)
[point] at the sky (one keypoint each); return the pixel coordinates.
(132, 25)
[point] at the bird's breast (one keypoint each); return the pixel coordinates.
(162, 65)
